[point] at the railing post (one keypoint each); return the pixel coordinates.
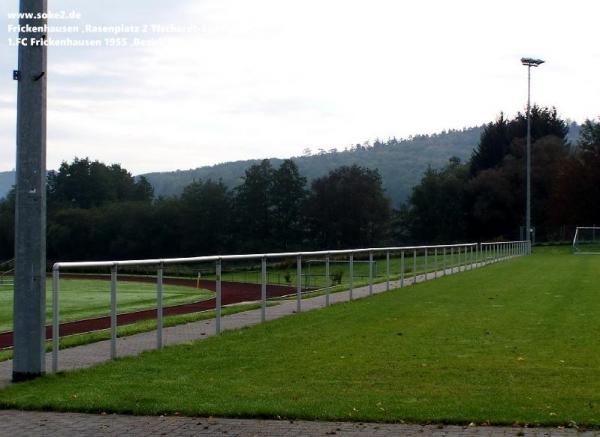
(452, 260)
(159, 307)
(435, 263)
(444, 261)
(113, 312)
(55, 319)
(387, 271)
(471, 258)
(425, 266)
(370, 273)
(351, 275)
(219, 296)
(401, 269)
(327, 280)
(414, 266)
(298, 283)
(263, 290)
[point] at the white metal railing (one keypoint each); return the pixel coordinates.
(497, 251)
(462, 256)
(7, 270)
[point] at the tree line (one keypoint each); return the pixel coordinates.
(97, 211)
(484, 197)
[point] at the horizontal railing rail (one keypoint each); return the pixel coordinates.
(464, 256)
(199, 259)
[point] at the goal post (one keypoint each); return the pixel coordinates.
(586, 240)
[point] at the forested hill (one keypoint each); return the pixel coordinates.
(401, 163)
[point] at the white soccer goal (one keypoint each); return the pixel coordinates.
(587, 240)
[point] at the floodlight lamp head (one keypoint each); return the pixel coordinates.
(532, 62)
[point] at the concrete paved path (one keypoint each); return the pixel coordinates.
(31, 424)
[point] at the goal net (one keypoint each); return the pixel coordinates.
(587, 241)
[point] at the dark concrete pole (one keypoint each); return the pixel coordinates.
(528, 175)
(30, 233)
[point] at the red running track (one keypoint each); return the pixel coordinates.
(231, 293)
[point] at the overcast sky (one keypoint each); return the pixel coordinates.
(266, 78)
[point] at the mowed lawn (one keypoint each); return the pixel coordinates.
(82, 298)
(517, 341)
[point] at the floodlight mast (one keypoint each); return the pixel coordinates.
(30, 216)
(529, 62)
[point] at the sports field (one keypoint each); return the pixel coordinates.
(514, 342)
(81, 299)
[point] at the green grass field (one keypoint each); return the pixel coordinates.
(512, 342)
(81, 299)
